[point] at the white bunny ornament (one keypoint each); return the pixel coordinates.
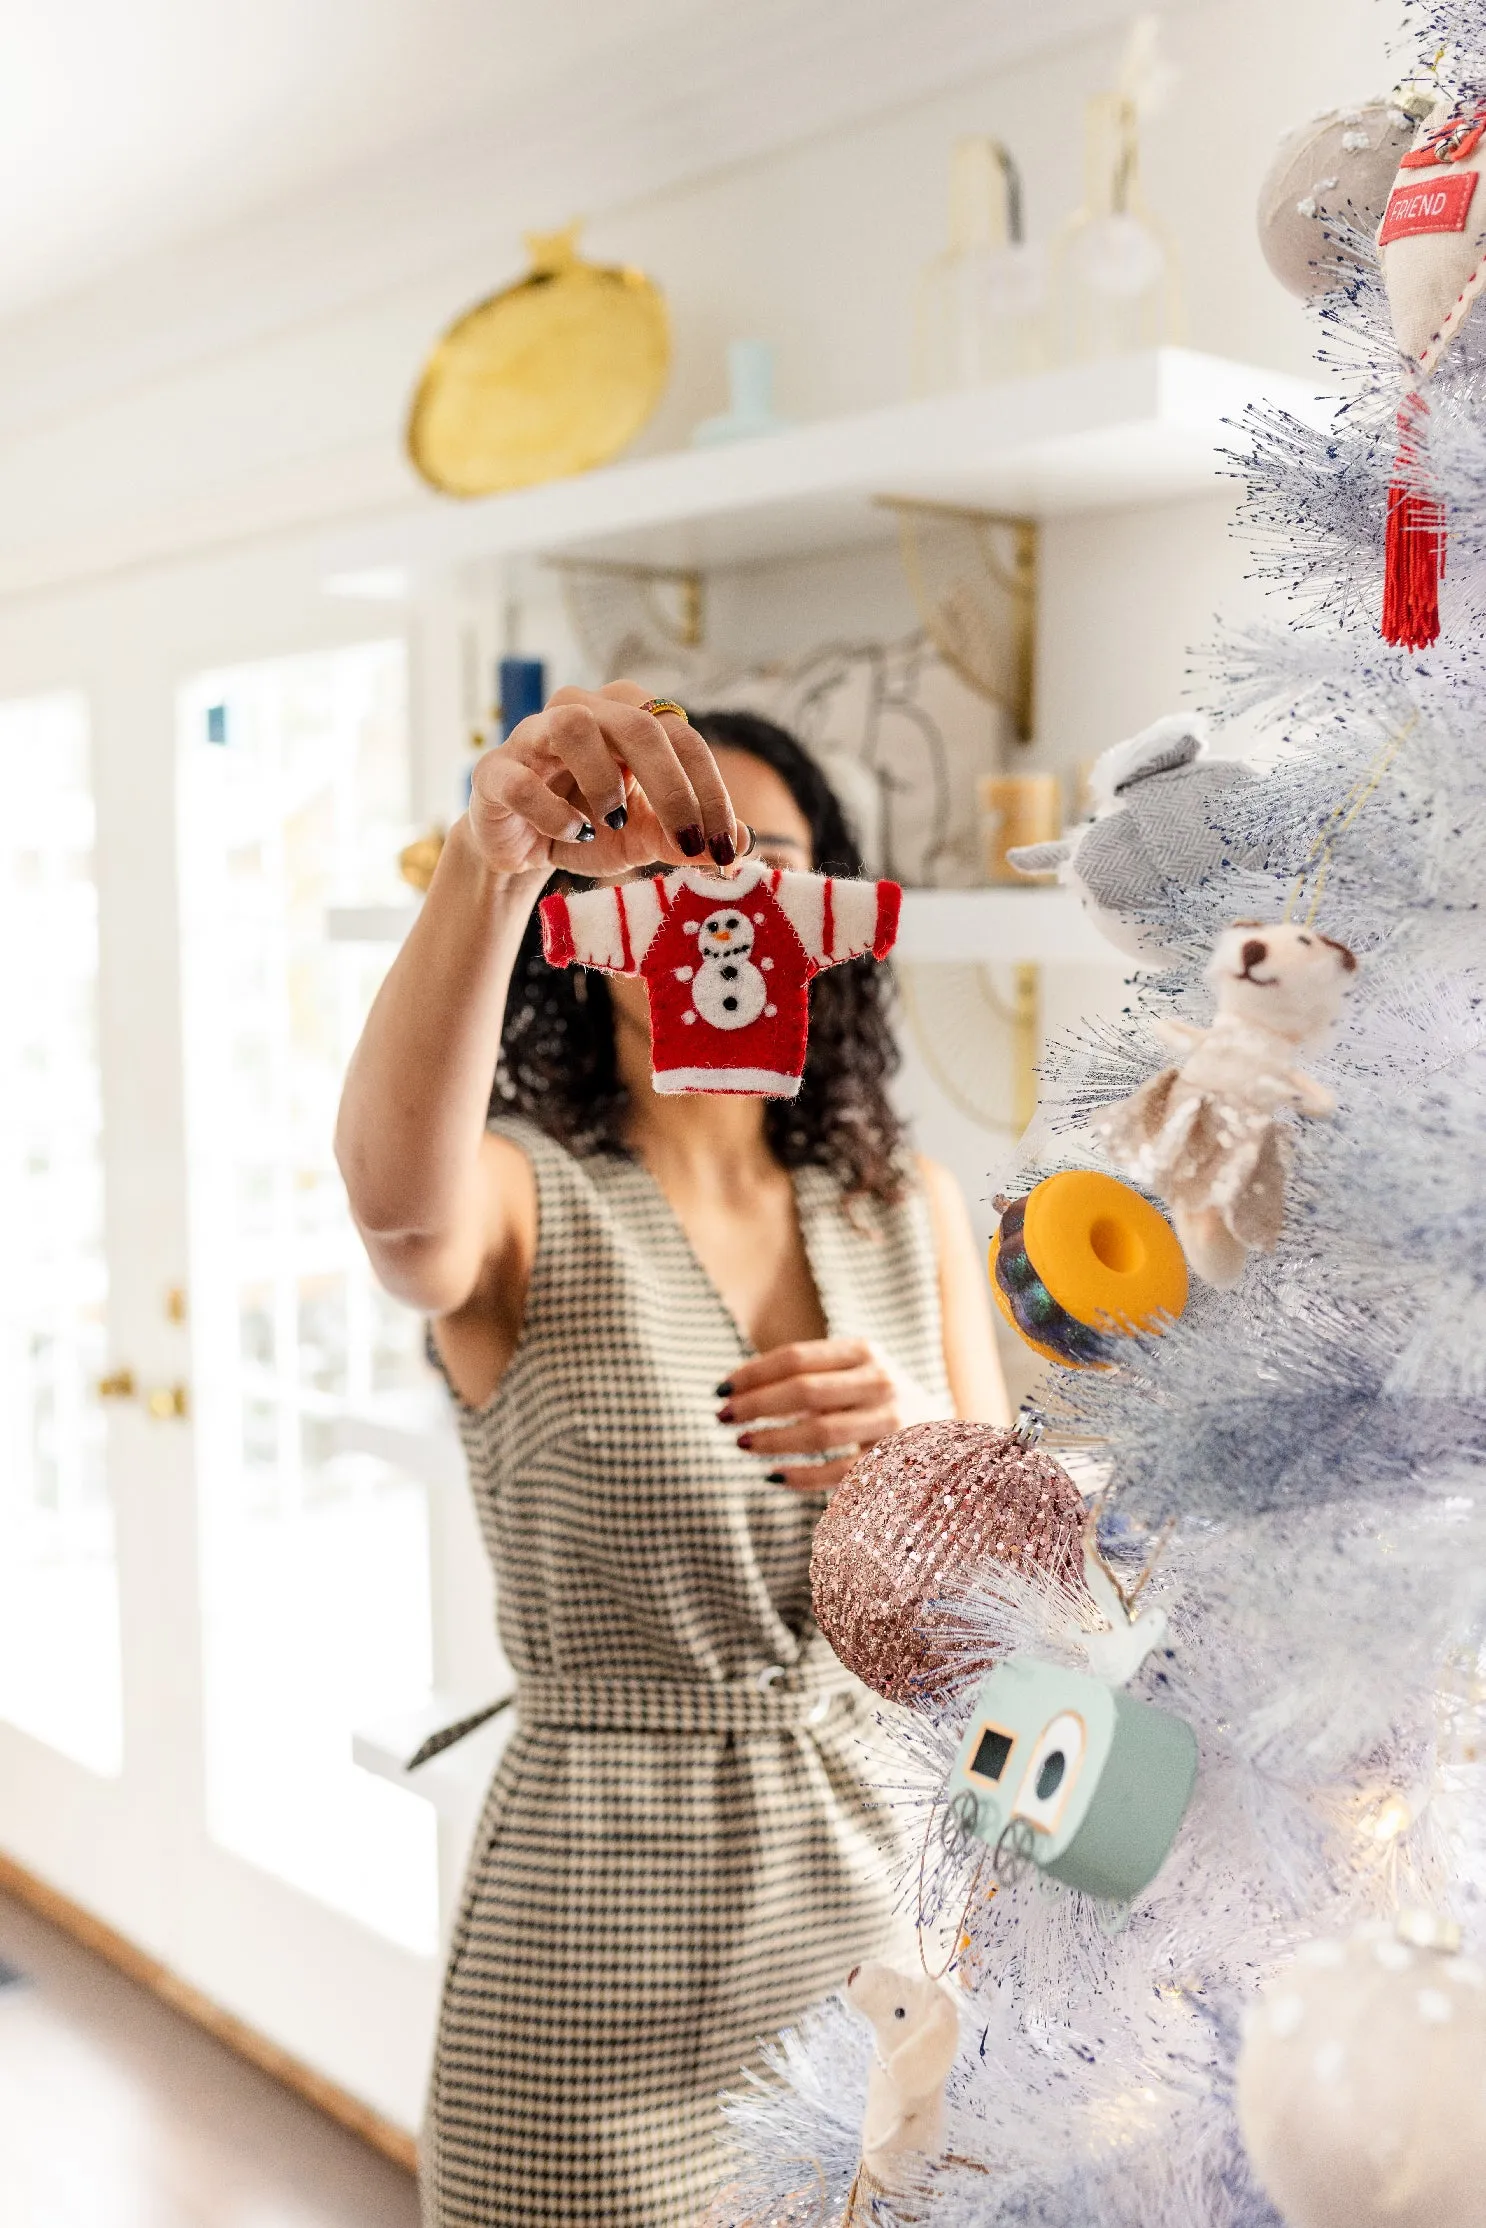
(1156, 831)
(916, 2030)
(1205, 1135)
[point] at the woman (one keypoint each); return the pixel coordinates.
(668, 1323)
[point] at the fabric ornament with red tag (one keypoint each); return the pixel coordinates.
(1432, 245)
(727, 962)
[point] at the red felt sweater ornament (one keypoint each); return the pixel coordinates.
(727, 963)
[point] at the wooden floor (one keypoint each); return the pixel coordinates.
(115, 2112)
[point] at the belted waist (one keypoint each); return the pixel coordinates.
(776, 1700)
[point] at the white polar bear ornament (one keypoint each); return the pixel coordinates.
(917, 2039)
(727, 988)
(1205, 1136)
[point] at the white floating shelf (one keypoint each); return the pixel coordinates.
(1047, 925)
(1145, 428)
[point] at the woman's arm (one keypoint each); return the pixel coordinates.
(594, 783)
(429, 1202)
(970, 1359)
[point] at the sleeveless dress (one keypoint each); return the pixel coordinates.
(679, 1853)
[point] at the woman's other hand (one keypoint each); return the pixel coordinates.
(822, 1397)
(598, 785)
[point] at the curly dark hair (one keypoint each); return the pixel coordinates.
(557, 1064)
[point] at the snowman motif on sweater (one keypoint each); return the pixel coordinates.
(727, 989)
(728, 962)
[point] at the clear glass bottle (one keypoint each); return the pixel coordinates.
(1116, 281)
(982, 307)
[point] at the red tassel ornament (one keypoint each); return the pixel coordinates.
(1432, 247)
(1414, 554)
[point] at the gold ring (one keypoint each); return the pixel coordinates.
(659, 704)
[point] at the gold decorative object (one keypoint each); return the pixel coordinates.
(119, 1384)
(952, 1009)
(1116, 278)
(982, 304)
(1019, 808)
(616, 612)
(168, 1403)
(417, 860)
(973, 575)
(551, 376)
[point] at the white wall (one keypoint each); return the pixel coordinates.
(195, 433)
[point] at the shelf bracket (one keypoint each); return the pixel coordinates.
(686, 628)
(974, 579)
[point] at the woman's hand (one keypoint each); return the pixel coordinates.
(820, 1396)
(598, 785)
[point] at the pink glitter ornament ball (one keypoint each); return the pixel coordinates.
(909, 1524)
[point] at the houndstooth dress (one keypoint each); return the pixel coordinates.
(679, 1852)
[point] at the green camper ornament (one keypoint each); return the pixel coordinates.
(1064, 1772)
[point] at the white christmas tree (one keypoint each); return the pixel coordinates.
(1288, 2024)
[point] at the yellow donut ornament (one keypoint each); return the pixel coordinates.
(1081, 1257)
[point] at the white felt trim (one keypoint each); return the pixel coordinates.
(598, 935)
(854, 907)
(801, 899)
(717, 886)
(766, 1083)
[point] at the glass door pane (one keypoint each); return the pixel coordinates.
(315, 1581)
(60, 1673)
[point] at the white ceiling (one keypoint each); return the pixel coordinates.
(129, 128)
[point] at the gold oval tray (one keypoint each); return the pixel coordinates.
(553, 375)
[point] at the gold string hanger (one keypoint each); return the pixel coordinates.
(1346, 813)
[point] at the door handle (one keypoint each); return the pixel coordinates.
(166, 1403)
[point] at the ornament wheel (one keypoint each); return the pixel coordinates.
(957, 1826)
(1012, 1860)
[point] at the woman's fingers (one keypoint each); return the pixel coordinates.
(516, 817)
(646, 784)
(674, 766)
(814, 1477)
(811, 1393)
(572, 732)
(854, 1427)
(801, 1357)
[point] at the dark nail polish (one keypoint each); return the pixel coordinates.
(585, 833)
(725, 1413)
(775, 1477)
(724, 1390)
(692, 841)
(745, 1440)
(616, 818)
(723, 849)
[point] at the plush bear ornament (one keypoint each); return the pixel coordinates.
(1151, 835)
(728, 962)
(1204, 1135)
(916, 2037)
(1360, 2086)
(1432, 246)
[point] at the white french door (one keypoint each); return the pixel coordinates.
(217, 1557)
